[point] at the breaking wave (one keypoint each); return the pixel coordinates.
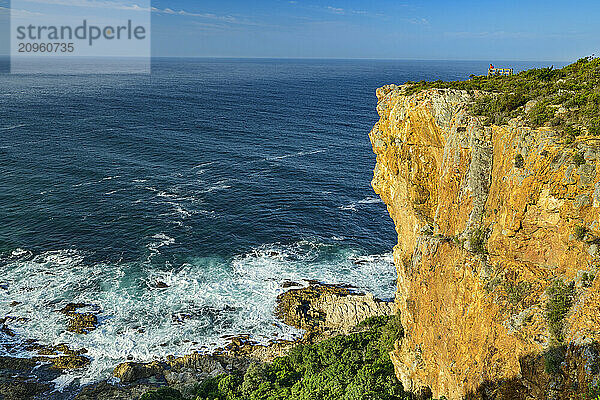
(146, 312)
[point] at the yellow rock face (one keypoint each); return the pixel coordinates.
(482, 233)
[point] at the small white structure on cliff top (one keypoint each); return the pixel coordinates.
(493, 71)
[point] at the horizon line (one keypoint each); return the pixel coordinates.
(323, 58)
(357, 58)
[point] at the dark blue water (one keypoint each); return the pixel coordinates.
(220, 178)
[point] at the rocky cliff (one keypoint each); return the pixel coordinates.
(498, 235)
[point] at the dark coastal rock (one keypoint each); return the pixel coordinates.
(193, 367)
(60, 357)
(324, 310)
(81, 323)
(5, 329)
(21, 388)
(129, 372)
(31, 378)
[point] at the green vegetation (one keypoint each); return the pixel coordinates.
(568, 98)
(163, 393)
(516, 292)
(352, 367)
(560, 299)
(477, 239)
(580, 232)
(578, 159)
(519, 161)
(593, 392)
(553, 357)
(587, 279)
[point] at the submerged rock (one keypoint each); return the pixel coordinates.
(32, 378)
(161, 285)
(81, 323)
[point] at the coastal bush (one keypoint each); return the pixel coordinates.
(574, 90)
(352, 367)
(540, 114)
(578, 159)
(560, 299)
(163, 393)
(519, 161)
(477, 239)
(580, 232)
(516, 292)
(593, 392)
(553, 357)
(587, 279)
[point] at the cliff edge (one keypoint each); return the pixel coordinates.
(498, 249)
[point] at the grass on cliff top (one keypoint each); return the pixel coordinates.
(567, 98)
(350, 367)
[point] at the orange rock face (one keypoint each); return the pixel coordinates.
(488, 217)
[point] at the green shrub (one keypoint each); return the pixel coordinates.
(477, 239)
(580, 232)
(163, 393)
(572, 131)
(593, 392)
(594, 126)
(560, 299)
(351, 367)
(540, 114)
(516, 292)
(578, 159)
(575, 87)
(553, 357)
(519, 161)
(587, 279)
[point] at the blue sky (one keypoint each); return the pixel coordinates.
(434, 29)
(404, 29)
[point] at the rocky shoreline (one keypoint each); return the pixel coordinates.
(321, 310)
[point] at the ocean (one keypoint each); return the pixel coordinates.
(177, 204)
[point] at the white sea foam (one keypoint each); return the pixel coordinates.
(148, 311)
(107, 178)
(355, 204)
(161, 241)
(202, 165)
(10, 128)
(219, 185)
(63, 381)
(20, 253)
(299, 154)
(371, 200)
